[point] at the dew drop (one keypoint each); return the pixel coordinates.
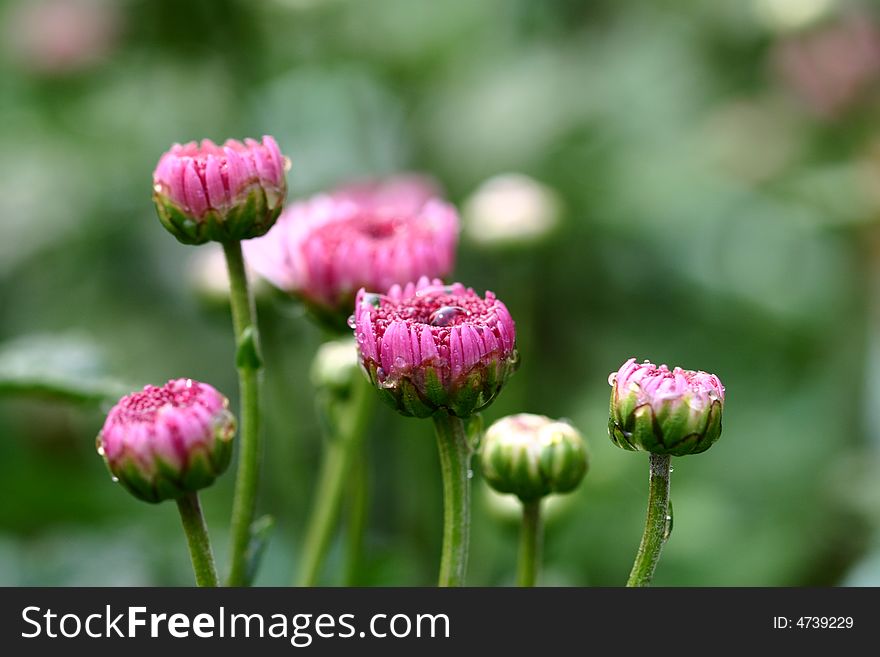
(351, 321)
(399, 363)
(287, 164)
(612, 378)
(100, 451)
(445, 315)
(470, 474)
(371, 299)
(115, 480)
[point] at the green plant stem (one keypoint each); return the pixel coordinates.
(455, 456)
(656, 523)
(349, 423)
(198, 540)
(530, 544)
(248, 364)
(359, 491)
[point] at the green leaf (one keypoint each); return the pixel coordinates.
(60, 366)
(261, 530)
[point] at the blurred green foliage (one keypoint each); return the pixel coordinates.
(716, 216)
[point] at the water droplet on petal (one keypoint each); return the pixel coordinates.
(101, 451)
(115, 480)
(399, 363)
(157, 188)
(371, 299)
(445, 315)
(287, 163)
(352, 322)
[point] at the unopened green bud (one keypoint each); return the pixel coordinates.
(533, 456)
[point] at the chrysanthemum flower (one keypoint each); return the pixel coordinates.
(161, 443)
(429, 346)
(370, 235)
(206, 192)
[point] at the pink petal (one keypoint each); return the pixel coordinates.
(217, 198)
(196, 200)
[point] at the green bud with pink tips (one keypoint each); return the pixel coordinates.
(164, 442)
(532, 456)
(662, 411)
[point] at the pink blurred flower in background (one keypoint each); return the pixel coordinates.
(163, 442)
(429, 346)
(58, 37)
(208, 192)
(370, 234)
(832, 67)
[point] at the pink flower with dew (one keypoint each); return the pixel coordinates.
(165, 441)
(429, 346)
(207, 192)
(370, 235)
(665, 411)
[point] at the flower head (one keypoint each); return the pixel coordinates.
(163, 442)
(367, 235)
(533, 456)
(429, 346)
(207, 192)
(664, 411)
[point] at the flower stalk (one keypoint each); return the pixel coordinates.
(656, 523)
(348, 422)
(531, 537)
(198, 540)
(248, 363)
(455, 456)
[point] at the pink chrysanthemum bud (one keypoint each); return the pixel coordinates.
(664, 411)
(204, 192)
(370, 235)
(161, 443)
(430, 347)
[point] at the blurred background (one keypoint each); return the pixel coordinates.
(693, 182)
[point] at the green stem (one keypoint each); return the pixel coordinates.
(197, 537)
(247, 361)
(656, 524)
(455, 455)
(349, 424)
(359, 492)
(530, 544)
